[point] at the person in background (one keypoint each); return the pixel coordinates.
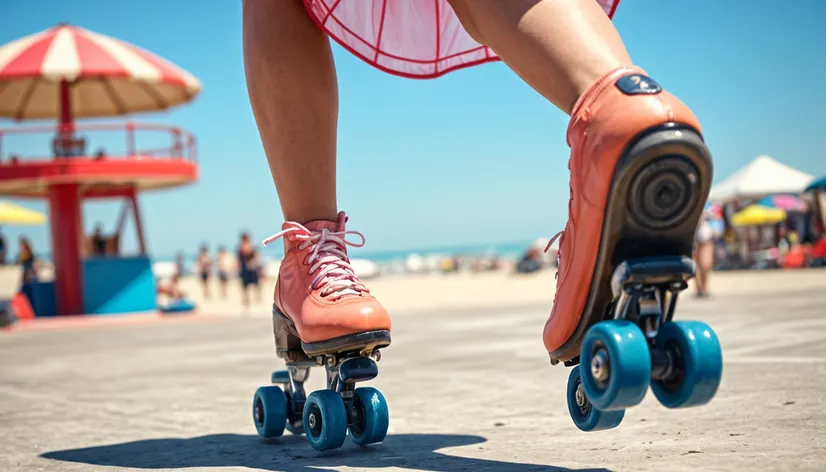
(794, 257)
(3, 250)
(703, 254)
(204, 268)
(172, 289)
(249, 269)
(26, 259)
(180, 269)
(98, 242)
(224, 269)
(530, 262)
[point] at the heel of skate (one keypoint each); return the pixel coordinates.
(287, 342)
(639, 345)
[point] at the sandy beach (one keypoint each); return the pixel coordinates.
(487, 290)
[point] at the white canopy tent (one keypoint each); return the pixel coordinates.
(762, 176)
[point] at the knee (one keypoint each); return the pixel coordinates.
(462, 8)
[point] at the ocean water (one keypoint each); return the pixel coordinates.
(509, 250)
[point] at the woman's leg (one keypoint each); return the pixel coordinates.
(559, 47)
(292, 87)
(245, 294)
(293, 90)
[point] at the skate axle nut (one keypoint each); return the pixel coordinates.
(599, 366)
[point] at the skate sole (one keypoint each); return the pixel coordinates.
(288, 343)
(657, 195)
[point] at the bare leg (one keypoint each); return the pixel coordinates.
(699, 279)
(258, 292)
(294, 94)
(559, 47)
(245, 295)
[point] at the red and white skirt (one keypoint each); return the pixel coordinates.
(419, 39)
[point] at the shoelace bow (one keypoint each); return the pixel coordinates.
(335, 276)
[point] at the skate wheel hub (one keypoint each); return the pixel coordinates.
(581, 401)
(599, 366)
(314, 422)
(259, 412)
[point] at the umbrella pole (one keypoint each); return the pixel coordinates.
(67, 227)
(66, 119)
(67, 224)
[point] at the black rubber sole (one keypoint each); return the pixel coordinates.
(660, 186)
(288, 343)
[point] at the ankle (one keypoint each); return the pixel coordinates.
(590, 85)
(307, 216)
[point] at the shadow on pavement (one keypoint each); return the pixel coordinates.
(410, 451)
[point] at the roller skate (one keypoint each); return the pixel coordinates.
(640, 177)
(324, 316)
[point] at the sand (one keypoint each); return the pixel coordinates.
(466, 291)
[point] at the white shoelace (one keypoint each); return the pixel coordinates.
(335, 275)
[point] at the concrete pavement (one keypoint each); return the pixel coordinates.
(468, 390)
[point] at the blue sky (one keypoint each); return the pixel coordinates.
(473, 157)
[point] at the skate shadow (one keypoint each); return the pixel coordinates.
(292, 453)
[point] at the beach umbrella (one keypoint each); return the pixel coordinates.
(754, 215)
(11, 214)
(762, 176)
(784, 202)
(819, 184)
(68, 72)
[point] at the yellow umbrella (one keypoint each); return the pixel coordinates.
(11, 214)
(755, 215)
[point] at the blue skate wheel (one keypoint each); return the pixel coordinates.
(699, 363)
(374, 417)
(325, 420)
(585, 416)
(269, 411)
(615, 365)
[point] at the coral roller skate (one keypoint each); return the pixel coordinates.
(640, 177)
(324, 316)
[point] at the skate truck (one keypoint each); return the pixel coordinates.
(325, 416)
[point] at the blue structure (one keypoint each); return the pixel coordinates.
(111, 285)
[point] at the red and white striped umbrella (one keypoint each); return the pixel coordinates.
(102, 75)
